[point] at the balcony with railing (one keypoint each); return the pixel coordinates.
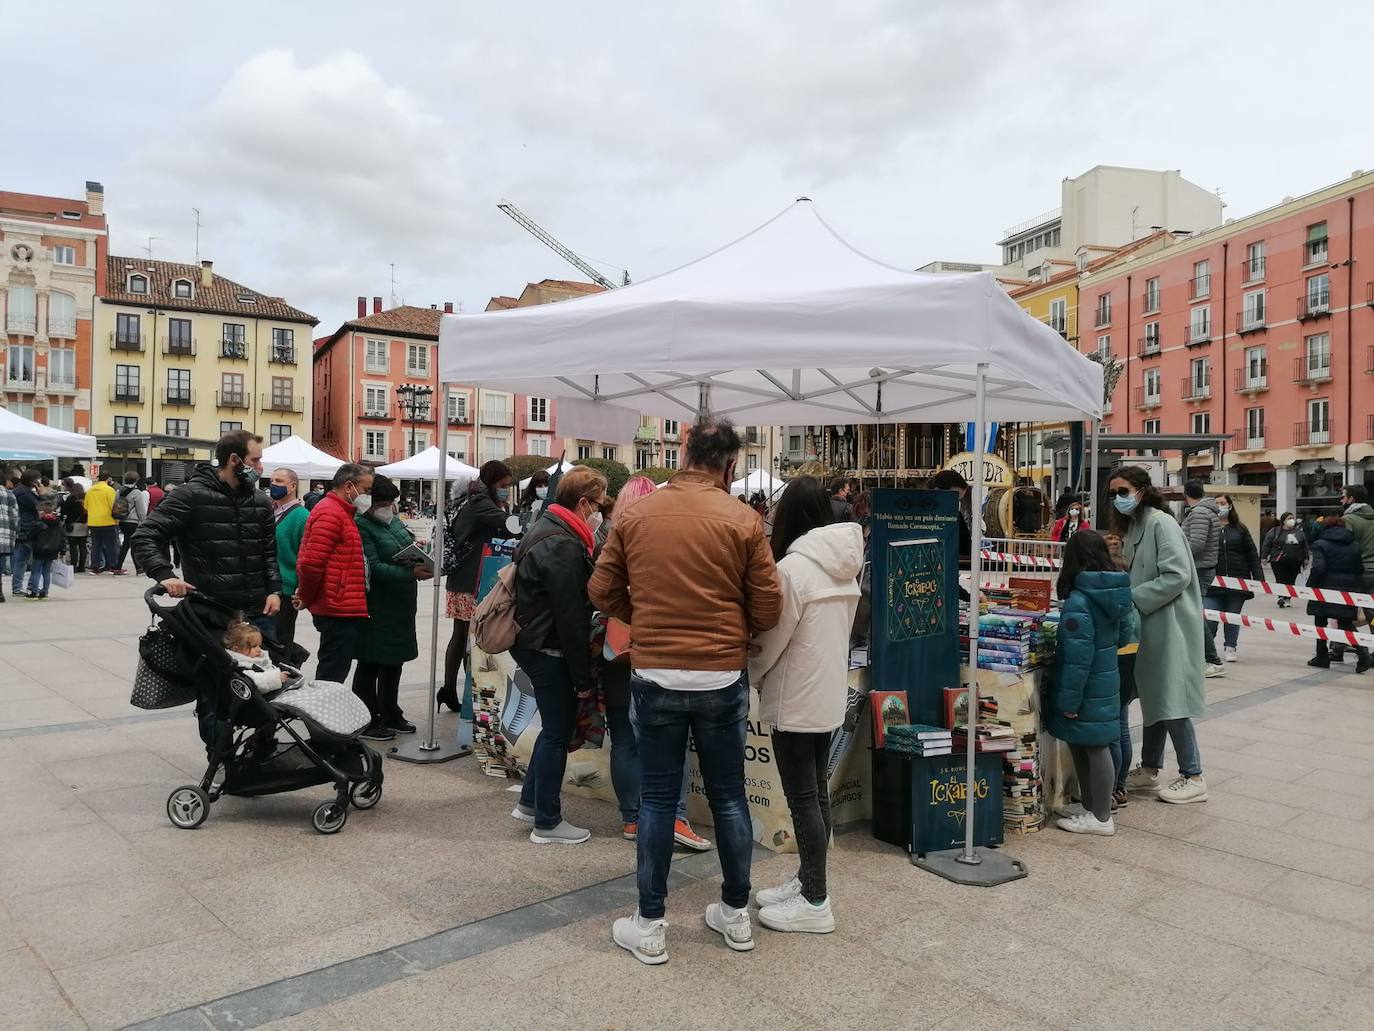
(234, 350)
(1196, 334)
(282, 354)
(1243, 381)
(126, 394)
(126, 341)
(375, 410)
(1251, 321)
(1149, 302)
(1369, 360)
(1144, 401)
(1314, 306)
(1196, 388)
(21, 322)
(283, 403)
(492, 416)
(1306, 434)
(383, 456)
(1058, 323)
(1102, 317)
(179, 347)
(1246, 441)
(1310, 370)
(418, 414)
(231, 399)
(64, 329)
(1369, 294)
(1369, 428)
(1252, 270)
(458, 416)
(537, 424)
(178, 397)
(1148, 346)
(20, 377)
(1199, 287)
(670, 436)
(61, 383)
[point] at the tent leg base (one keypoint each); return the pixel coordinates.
(990, 869)
(415, 751)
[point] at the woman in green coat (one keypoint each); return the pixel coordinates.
(388, 638)
(1169, 669)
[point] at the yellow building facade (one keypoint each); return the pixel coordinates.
(182, 352)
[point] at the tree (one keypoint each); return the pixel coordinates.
(522, 467)
(616, 473)
(657, 473)
(1112, 369)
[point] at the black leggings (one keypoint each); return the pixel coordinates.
(802, 760)
(77, 545)
(378, 685)
(1096, 774)
(453, 655)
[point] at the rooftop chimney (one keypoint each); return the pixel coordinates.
(362, 307)
(95, 198)
(376, 306)
(207, 273)
(448, 307)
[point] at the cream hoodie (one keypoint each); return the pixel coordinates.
(802, 671)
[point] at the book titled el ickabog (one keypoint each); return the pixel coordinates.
(915, 589)
(890, 709)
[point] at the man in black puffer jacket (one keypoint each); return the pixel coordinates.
(223, 528)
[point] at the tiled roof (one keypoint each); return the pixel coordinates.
(407, 320)
(571, 285)
(504, 301)
(222, 296)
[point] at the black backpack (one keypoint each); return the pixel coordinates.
(120, 508)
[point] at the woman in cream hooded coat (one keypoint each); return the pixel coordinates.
(801, 671)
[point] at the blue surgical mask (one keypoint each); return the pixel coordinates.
(277, 491)
(541, 492)
(1127, 504)
(502, 493)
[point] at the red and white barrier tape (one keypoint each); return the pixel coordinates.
(1278, 626)
(1290, 591)
(1032, 561)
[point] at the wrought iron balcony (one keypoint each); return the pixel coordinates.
(1314, 306)
(129, 394)
(1307, 435)
(1307, 370)
(376, 410)
(62, 328)
(231, 399)
(184, 347)
(21, 322)
(234, 350)
(1147, 346)
(1199, 287)
(1196, 336)
(1149, 302)
(1250, 322)
(1144, 401)
(282, 403)
(1195, 389)
(125, 341)
(1252, 270)
(1243, 381)
(178, 397)
(282, 354)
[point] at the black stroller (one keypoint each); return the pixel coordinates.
(182, 659)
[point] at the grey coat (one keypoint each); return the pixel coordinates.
(1202, 527)
(1168, 667)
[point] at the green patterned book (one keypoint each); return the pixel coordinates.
(916, 603)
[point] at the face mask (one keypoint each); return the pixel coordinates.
(541, 492)
(502, 493)
(594, 521)
(1290, 523)
(248, 475)
(384, 515)
(1127, 504)
(1223, 511)
(362, 503)
(277, 491)
(1075, 512)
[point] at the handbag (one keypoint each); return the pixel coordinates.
(62, 575)
(158, 680)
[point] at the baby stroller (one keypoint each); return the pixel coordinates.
(182, 657)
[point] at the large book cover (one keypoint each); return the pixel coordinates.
(890, 709)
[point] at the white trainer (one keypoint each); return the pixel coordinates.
(1214, 669)
(564, 834)
(1087, 823)
(522, 813)
(1143, 779)
(645, 940)
(737, 930)
(797, 914)
(1072, 809)
(774, 896)
(1230, 655)
(1185, 790)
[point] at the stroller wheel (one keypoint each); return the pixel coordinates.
(329, 817)
(188, 806)
(365, 794)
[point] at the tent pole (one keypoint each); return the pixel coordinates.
(1092, 476)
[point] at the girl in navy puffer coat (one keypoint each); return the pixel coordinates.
(1336, 565)
(1083, 703)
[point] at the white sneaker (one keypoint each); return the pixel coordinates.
(1087, 823)
(1072, 809)
(737, 931)
(778, 895)
(564, 834)
(645, 940)
(1185, 790)
(797, 914)
(1214, 669)
(1231, 655)
(1143, 779)
(522, 813)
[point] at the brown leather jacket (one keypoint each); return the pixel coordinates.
(700, 572)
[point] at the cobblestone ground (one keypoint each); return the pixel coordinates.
(1252, 910)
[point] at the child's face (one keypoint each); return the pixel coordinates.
(252, 646)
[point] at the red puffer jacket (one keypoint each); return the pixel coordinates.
(330, 566)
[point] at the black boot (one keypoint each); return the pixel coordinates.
(1361, 660)
(1322, 660)
(1337, 652)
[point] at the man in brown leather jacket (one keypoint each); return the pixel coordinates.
(691, 571)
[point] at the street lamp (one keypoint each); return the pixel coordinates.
(414, 402)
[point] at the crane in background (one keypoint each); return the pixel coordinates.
(571, 257)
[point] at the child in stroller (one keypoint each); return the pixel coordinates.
(245, 698)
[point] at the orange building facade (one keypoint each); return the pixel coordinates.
(52, 268)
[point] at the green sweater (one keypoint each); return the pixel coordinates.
(290, 530)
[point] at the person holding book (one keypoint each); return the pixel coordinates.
(1083, 708)
(800, 668)
(1169, 668)
(1237, 557)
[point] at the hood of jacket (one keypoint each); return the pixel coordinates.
(209, 476)
(837, 549)
(1108, 593)
(1337, 535)
(1208, 505)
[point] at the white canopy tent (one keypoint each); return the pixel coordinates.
(427, 466)
(758, 480)
(302, 458)
(790, 324)
(24, 436)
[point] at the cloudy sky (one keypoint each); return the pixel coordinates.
(323, 142)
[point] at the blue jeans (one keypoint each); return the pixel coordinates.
(104, 547)
(625, 766)
(1185, 746)
(19, 561)
(1224, 601)
(1121, 748)
(718, 723)
(40, 579)
(553, 693)
(1209, 646)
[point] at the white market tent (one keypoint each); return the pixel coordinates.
(790, 324)
(427, 466)
(758, 480)
(302, 458)
(24, 436)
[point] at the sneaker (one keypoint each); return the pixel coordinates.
(1185, 790)
(630, 831)
(1087, 823)
(645, 940)
(737, 931)
(523, 813)
(778, 895)
(377, 731)
(797, 914)
(1231, 656)
(1120, 799)
(688, 838)
(120, 572)
(1214, 669)
(1072, 809)
(400, 725)
(1142, 779)
(564, 834)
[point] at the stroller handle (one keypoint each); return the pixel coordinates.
(157, 590)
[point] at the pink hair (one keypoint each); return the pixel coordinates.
(636, 488)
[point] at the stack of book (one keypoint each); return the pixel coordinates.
(988, 737)
(1008, 642)
(919, 739)
(1023, 808)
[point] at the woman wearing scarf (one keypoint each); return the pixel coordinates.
(290, 515)
(553, 564)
